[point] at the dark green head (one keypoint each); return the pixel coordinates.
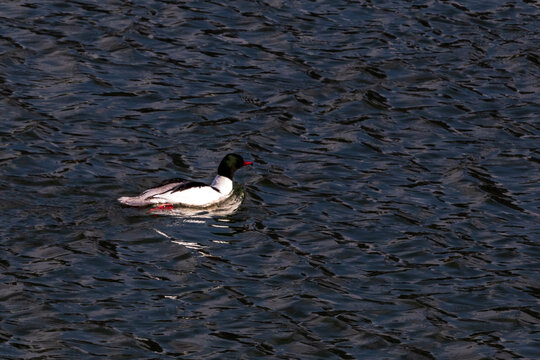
(230, 164)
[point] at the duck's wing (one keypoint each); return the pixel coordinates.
(187, 185)
(153, 195)
(163, 187)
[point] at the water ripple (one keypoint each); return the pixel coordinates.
(392, 210)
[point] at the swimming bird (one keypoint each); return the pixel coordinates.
(192, 193)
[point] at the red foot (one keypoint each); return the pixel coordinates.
(162, 207)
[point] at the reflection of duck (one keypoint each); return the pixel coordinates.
(192, 193)
(199, 215)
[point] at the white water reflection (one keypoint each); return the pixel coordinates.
(200, 215)
(189, 244)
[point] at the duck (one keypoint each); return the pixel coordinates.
(191, 193)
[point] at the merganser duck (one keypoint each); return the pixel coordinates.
(192, 193)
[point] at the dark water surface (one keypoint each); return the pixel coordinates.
(393, 211)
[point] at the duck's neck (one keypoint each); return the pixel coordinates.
(223, 184)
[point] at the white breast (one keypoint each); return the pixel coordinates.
(223, 184)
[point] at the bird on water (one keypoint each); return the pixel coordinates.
(191, 193)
